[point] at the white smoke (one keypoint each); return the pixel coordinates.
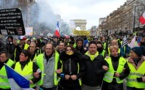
(38, 15)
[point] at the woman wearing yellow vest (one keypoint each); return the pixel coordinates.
(136, 63)
(72, 70)
(4, 83)
(27, 68)
(118, 70)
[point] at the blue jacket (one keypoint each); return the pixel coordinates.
(125, 51)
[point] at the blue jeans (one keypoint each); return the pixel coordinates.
(129, 88)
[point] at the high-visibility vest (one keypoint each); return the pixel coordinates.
(104, 46)
(4, 83)
(134, 74)
(103, 53)
(110, 53)
(27, 72)
(40, 63)
(26, 46)
(34, 59)
(109, 75)
(74, 45)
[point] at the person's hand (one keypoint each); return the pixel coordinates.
(67, 77)
(36, 74)
(105, 67)
(73, 77)
(31, 82)
(117, 74)
(58, 71)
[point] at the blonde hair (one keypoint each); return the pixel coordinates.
(114, 47)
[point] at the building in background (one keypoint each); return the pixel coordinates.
(79, 23)
(93, 31)
(124, 20)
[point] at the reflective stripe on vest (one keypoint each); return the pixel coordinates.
(27, 71)
(109, 75)
(134, 74)
(4, 83)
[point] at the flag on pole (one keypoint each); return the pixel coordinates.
(142, 19)
(17, 82)
(56, 33)
(125, 42)
(133, 43)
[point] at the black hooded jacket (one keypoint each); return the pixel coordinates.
(70, 67)
(93, 70)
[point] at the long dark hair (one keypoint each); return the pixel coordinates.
(73, 49)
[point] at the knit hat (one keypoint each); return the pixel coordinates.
(22, 38)
(143, 49)
(138, 51)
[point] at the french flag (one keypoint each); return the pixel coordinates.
(142, 19)
(56, 33)
(17, 82)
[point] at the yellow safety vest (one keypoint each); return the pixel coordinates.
(40, 63)
(109, 75)
(26, 46)
(103, 53)
(27, 72)
(34, 59)
(4, 83)
(104, 45)
(134, 74)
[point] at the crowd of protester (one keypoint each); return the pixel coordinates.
(75, 63)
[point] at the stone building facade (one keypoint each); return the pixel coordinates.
(125, 19)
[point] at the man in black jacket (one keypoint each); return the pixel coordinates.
(95, 67)
(79, 46)
(10, 46)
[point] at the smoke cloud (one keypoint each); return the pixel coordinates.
(39, 15)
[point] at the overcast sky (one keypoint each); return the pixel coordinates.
(91, 10)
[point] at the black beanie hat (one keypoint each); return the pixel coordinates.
(138, 51)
